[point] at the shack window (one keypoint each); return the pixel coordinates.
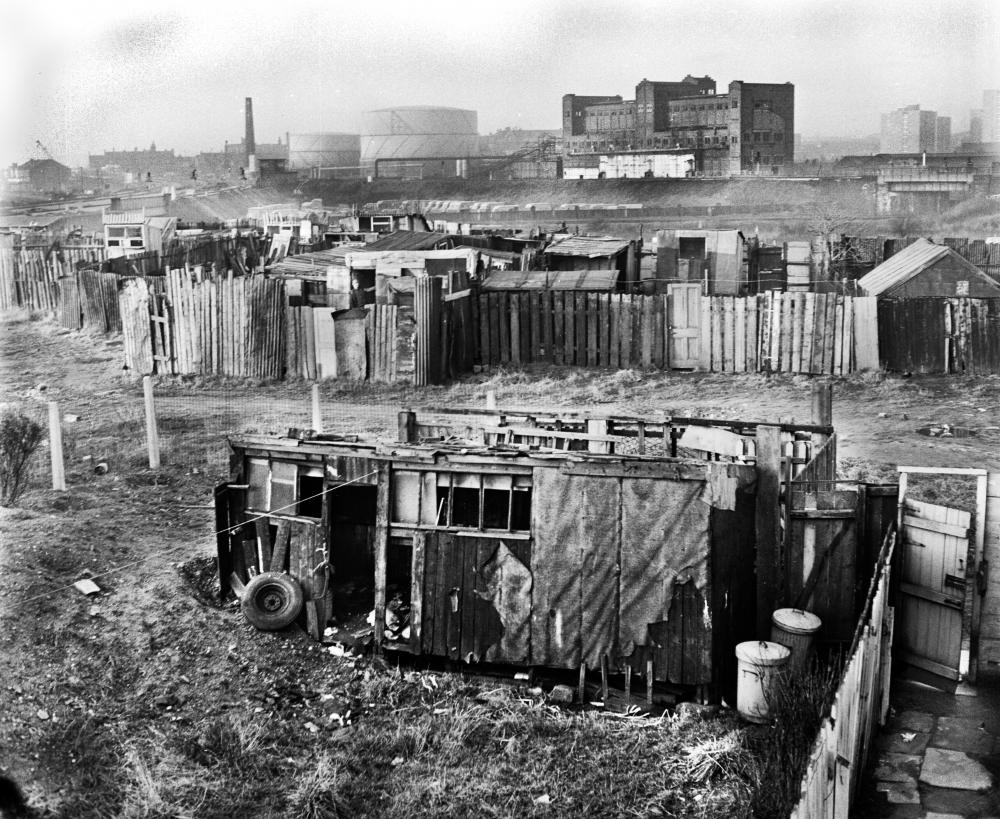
(489, 502)
(257, 477)
(283, 484)
(310, 493)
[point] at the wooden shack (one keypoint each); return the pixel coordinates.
(924, 269)
(713, 257)
(506, 554)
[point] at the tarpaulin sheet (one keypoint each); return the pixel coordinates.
(665, 526)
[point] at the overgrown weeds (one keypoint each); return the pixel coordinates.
(797, 703)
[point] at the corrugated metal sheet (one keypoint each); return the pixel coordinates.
(592, 280)
(907, 263)
(412, 240)
(591, 247)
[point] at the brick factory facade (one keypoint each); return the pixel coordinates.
(749, 129)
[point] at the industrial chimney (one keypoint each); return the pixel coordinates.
(250, 143)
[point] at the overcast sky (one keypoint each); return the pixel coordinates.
(91, 76)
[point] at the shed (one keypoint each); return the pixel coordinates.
(715, 257)
(924, 269)
(593, 253)
(500, 554)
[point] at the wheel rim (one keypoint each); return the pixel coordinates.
(271, 599)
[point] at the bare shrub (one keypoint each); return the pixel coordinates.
(19, 438)
(798, 702)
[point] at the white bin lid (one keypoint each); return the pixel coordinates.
(761, 652)
(796, 621)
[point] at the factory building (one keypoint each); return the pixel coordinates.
(418, 142)
(749, 129)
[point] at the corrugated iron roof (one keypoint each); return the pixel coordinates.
(412, 240)
(589, 246)
(592, 280)
(907, 263)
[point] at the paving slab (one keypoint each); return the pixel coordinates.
(899, 793)
(935, 815)
(903, 742)
(961, 803)
(962, 734)
(912, 720)
(898, 767)
(954, 770)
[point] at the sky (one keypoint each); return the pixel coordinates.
(85, 77)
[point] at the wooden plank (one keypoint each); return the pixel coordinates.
(753, 329)
(604, 323)
(767, 523)
(417, 565)
(484, 330)
(936, 526)
(592, 327)
(430, 604)
(848, 336)
(625, 333)
(798, 316)
(705, 343)
(808, 331)
(567, 309)
(279, 557)
(513, 309)
(718, 357)
(468, 555)
(562, 354)
(614, 331)
(740, 335)
(503, 324)
(660, 344)
(537, 344)
(787, 300)
(838, 338)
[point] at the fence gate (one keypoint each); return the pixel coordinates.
(935, 546)
(685, 325)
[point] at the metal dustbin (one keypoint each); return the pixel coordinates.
(758, 663)
(795, 629)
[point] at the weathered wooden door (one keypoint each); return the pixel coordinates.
(935, 548)
(684, 306)
(475, 597)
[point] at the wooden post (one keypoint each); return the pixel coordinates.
(822, 404)
(768, 524)
(628, 685)
(152, 434)
(649, 681)
(407, 424)
(56, 448)
(604, 679)
(317, 422)
(582, 685)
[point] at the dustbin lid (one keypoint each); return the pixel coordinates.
(796, 621)
(761, 652)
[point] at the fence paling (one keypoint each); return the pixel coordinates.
(844, 738)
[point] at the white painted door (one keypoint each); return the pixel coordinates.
(684, 302)
(933, 586)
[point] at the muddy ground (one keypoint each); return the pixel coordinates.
(148, 699)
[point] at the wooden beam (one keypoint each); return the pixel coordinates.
(768, 524)
(381, 548)
(935, 526)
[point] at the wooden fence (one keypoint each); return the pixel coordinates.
(775, 332)
(841, 747)
(221, 325)
(940, 335)
(29, 277)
